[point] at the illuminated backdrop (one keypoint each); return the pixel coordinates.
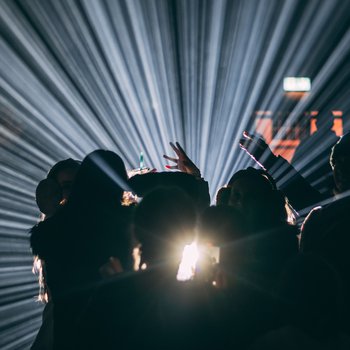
(131, 76)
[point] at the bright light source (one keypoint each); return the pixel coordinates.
(188, 263)
(79, 76)
(296, 84)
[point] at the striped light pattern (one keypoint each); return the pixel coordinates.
(131, 76)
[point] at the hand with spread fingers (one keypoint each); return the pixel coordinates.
(257, 149)
(183, 162)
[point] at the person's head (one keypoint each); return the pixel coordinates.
(254, 194)
(196, 189)
(247, 185)
(48, 196)
(223, 196)
(64, 173)
(164, 223)
(101, 179)
(340, 163)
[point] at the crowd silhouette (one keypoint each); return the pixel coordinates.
(146, 262)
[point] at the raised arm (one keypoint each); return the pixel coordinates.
(182, 162)
(258, 150)
(299, 192)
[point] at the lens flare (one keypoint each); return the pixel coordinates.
(188, 262)
(131, 75)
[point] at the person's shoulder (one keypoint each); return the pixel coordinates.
(313, 218)
(337, 211)
(338, 203)
(39, 235)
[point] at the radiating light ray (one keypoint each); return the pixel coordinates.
(262, 74)
(345, 194)
(18, 177)
(120, 74)
(332, 63)
(22, 217)
(131, 75)
(57, 79)
(295, 59)
(325, 74)
(40, 121)
(8, 200)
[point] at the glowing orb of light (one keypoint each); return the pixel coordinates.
(188, 262)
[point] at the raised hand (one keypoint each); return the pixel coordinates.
(257, 149)
(182, 162)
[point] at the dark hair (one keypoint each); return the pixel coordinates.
(48, 195)
(194, 188)
(341, 148)
(263, 178)
(223, 196)
(62, 165)
(275, 205)
(101, 176)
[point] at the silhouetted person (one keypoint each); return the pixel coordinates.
(310, 295)
(223, 196)
(196, 188)
(326, 229)
(268, 241)
(50, 193)
(311, 158)
(64, 173)
(48, 196)
(266, 212)
(151, 309)
(298, 191)
(79, 239)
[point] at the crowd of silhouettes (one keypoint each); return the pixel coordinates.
(165, 270)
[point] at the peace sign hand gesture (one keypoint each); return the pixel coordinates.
(182, 162)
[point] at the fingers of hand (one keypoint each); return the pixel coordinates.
(181, 149)
(247, 135)
(170, 158)
(175, 149)
(245, 143)
(171, 167)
